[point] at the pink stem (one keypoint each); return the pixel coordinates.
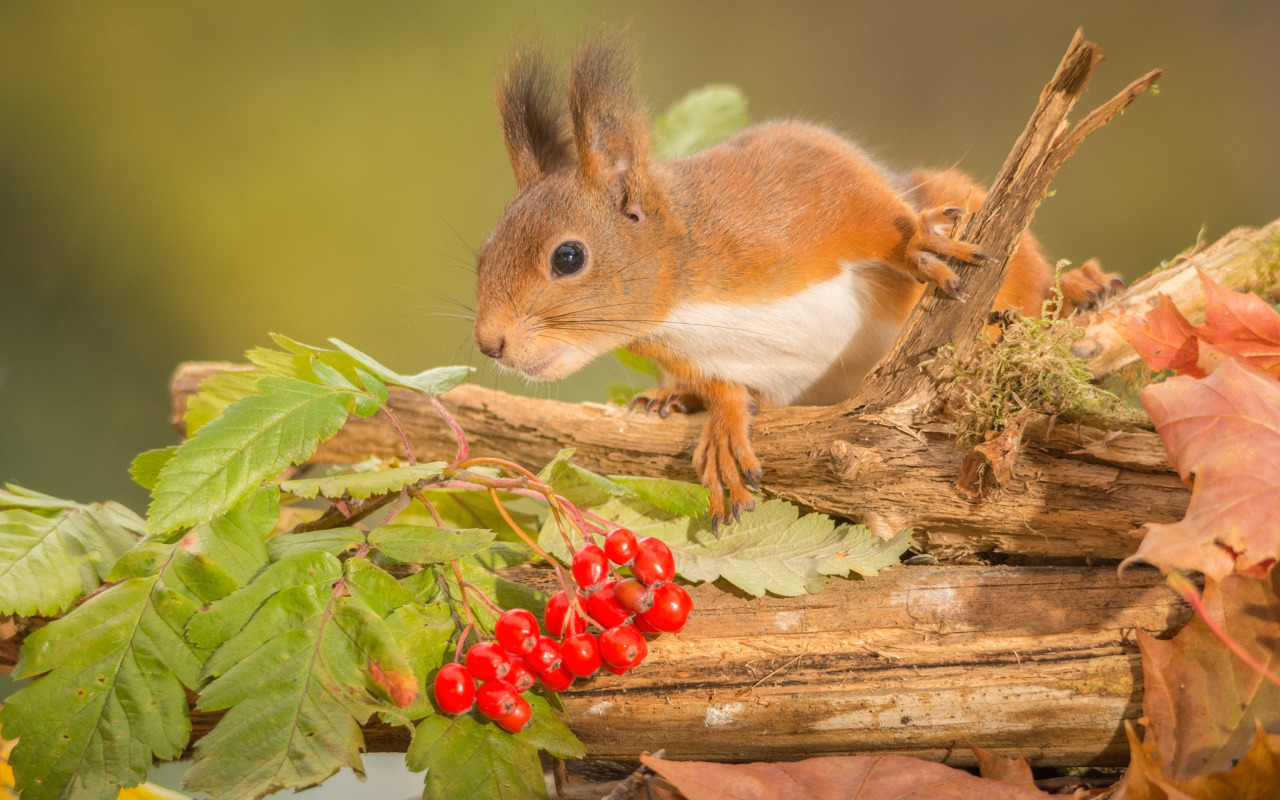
(464, 450)
(404, 438)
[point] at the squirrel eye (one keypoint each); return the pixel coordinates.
(568, 258)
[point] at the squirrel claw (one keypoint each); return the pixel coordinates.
(955, 289)
(665, 401)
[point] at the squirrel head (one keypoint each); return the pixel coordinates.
(580, 261)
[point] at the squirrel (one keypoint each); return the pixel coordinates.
(772, 269)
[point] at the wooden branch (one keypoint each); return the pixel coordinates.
(1080, 492)
(1037, 662)
(1238, 260)
(899, 380)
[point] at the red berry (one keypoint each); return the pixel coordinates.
(590, 566)
(633, 595)
(603, 606)
(521, 676)
(545, 655)
(496, 699)
(671, 607)
(654, 562)
(620, 546)
(455, 689)
(556, 680)
(516, 630)
(518, 719)
(642, 622)
(580, 654)
(487, 661)
(619, 670)
(623, 646)
(559, 619)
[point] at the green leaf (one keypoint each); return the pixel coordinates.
(773, 549)
(218, 391)
(333, 541)
(253, 440)
(640, 364)
(579, 485)
(470, 508)
(372, 586)
(698, 120)
(424, 634)
(213, 626)
(678, 497)
(467, 758)
(13, 496)
(548, 732)
(113, 699)
(236, 541)
(145, 469)
(421, 544)
(363, 485)
(433, 381)
(296, 682)
(372, 385)
(48, 562)
(508, 594)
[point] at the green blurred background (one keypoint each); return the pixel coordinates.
(178, 179)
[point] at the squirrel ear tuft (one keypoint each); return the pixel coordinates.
(610, 133)
(533, 117)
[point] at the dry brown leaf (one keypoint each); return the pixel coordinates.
(1013, 771)
(1201, 701)
(1224, 430)
(834, 778)
(1255, 777)
(1164, 338)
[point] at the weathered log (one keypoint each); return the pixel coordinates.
(1240, 260)
(1083, 491)
(1029, 661)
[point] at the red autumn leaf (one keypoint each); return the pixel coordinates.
(402, 687)
(834, 778)
(1164, 338)
(1013, 771)
(1200, 700)
(1238, 326)
(1225, 431)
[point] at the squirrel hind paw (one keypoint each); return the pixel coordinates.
(1088, 287)
(665, 401)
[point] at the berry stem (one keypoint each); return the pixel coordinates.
(464, 450)
(404, 437)
(565, 583)
(429, 506)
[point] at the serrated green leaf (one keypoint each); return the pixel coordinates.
(424, 634)
(218, 391)
(13, 496)
(328, 376)
(253, 440)
(466, 758)
(432, 381)
(640, 364)
(113, 698)
(213, 626)
(700, 119)
(773, 549)
(470, 508)
(508, 594)
(366, 406)
(145, 469)
(333, 541)
(548, 732)
(678, 497)
(372, 385)
(48, 562)
(374, 587)
(422, 544)
(579, 485)
(296, 682)
(499, 555)
(363, 485)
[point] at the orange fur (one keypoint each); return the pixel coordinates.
(719, 266)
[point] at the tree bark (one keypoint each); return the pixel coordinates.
(1038, 662)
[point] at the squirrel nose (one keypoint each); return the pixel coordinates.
(492, 347)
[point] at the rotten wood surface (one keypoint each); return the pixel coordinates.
(1078, 492)
(1028, 661)
(1240, 260)
(900, 384)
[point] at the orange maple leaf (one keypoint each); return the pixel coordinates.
(1237, 326)
(1225, 431)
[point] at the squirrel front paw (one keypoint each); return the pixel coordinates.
(665, 401)
(725, 460)
(924, 251)
(1088, 287)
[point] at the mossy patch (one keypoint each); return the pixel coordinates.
(1267, 283)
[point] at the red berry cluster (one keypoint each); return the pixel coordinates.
(625, 608)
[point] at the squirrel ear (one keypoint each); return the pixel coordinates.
(533, 124)
(609, 129)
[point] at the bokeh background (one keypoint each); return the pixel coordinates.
(178, 179)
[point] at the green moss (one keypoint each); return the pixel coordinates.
(1267, 283)
(1033, 368)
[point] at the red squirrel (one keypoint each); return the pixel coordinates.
(772, 269)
